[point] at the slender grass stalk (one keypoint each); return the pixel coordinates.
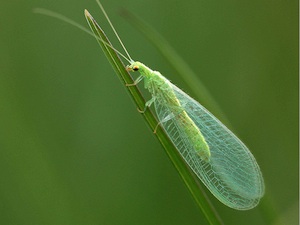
(191, 181)
(187, 175)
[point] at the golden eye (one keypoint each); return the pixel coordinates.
(135, 68)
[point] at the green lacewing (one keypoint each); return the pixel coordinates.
(218, 157)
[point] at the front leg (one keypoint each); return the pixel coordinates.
(138, 80)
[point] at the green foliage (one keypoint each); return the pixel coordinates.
(186, 174)
(63, 160)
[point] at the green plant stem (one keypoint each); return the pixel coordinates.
(187, 175)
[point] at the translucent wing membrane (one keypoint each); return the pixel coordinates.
(232, 174)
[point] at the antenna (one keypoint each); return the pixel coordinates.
(114, 30)
(95, 24)
(73, 23)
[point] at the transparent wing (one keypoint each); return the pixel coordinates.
(232, 174)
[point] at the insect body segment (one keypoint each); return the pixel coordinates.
(162, 91)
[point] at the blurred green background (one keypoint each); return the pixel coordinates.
(74, 149)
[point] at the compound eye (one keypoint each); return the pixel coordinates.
(135, 68)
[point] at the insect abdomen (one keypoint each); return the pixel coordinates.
(195, 136)
(165, 94)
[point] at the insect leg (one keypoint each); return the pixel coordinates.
(136, 81)
(148, 104)
(168, 117)
(178, 111)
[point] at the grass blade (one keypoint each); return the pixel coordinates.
(187, 175)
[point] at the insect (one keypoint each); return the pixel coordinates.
(218, 158)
